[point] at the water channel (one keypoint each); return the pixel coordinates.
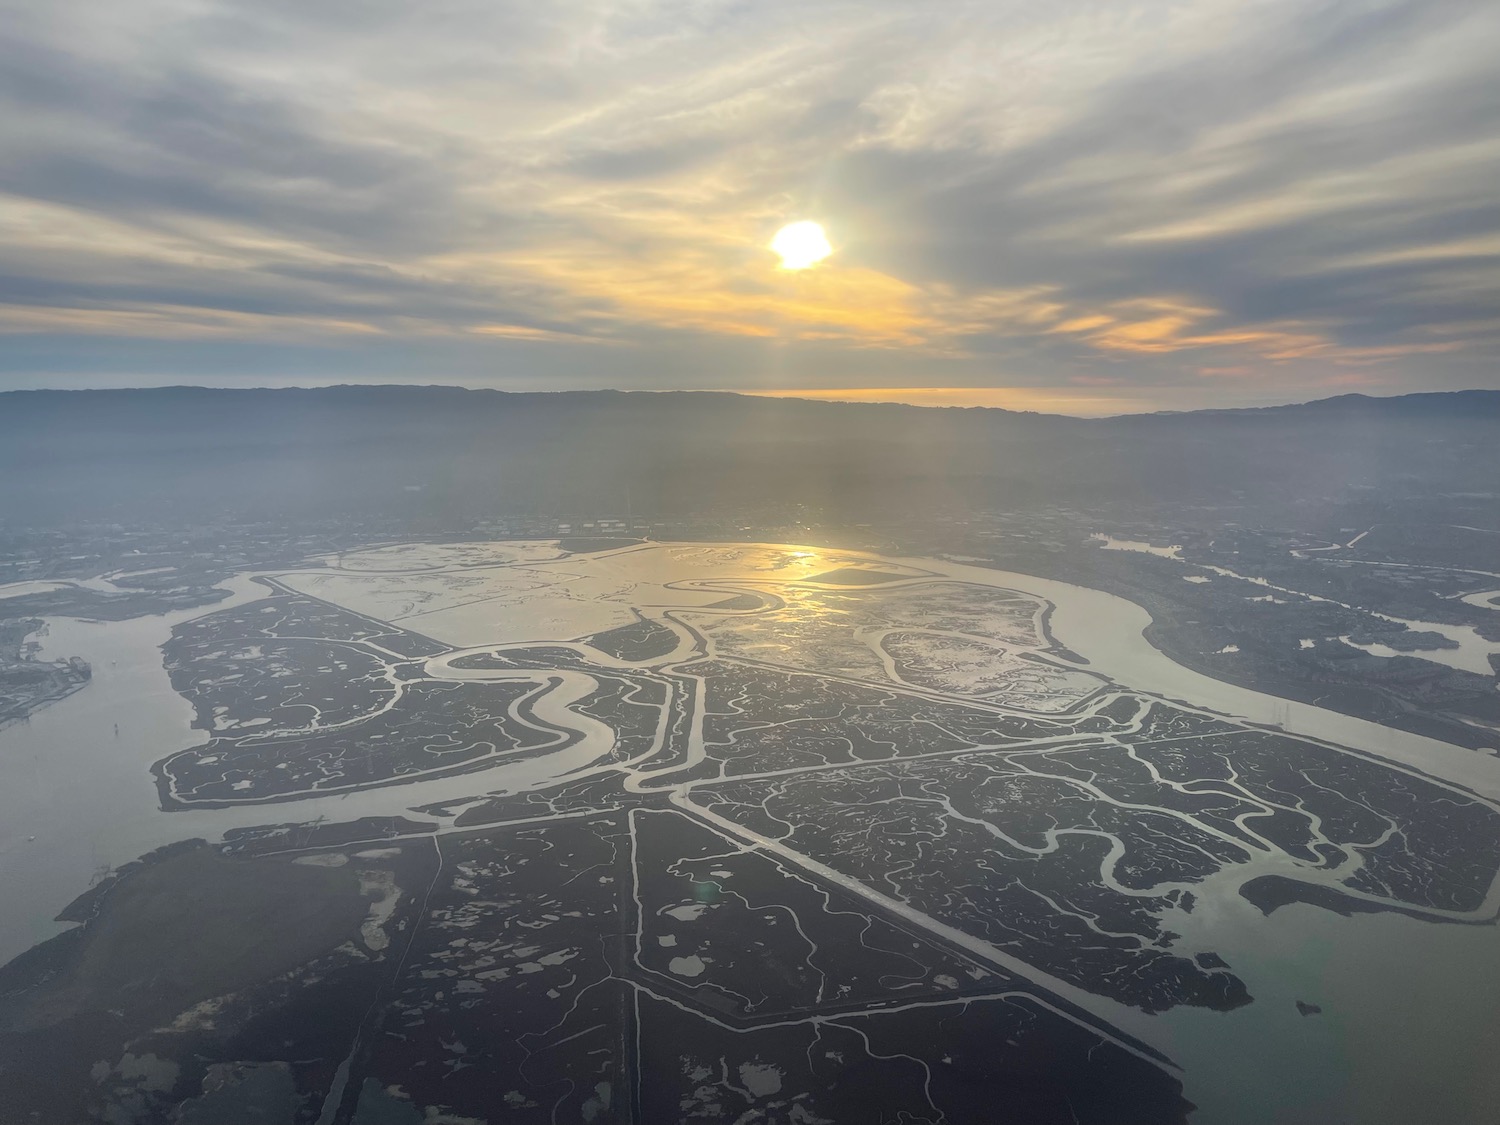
(1407, 1030)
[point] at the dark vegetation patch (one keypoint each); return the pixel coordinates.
(640, 640)
(855, 576)
(437, 727)
(740, 603)
(266, 839)
(205, 989)
(996, 1062)
(589, 545)
(1269, 893)
(184, 929)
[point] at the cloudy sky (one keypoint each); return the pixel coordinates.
(1078, 205)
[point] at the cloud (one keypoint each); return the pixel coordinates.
(1061, 400)
(1020, 195)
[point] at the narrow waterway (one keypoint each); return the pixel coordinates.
(1470, 652)
(79, 798)
(1407, 1031)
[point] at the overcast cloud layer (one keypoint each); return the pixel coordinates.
(1088, 206)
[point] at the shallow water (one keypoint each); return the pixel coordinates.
(1113, 544)
(1485, 599)
(79, 797)
(78, 794)
(1108, 631)
(1472, 653)
(22, 589)
(1408, 1031)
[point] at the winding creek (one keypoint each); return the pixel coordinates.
(1407, 1031)
(1470, 652)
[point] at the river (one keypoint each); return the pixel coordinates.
(1408, 1030)
(1468, 650)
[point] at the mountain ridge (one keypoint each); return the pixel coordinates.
(120, 453)
(1486, 399)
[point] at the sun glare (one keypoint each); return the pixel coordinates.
(801, 245)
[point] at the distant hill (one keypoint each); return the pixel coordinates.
(132, 454)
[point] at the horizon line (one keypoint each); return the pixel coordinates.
(1024, 400)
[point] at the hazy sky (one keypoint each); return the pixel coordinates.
(1086, 206)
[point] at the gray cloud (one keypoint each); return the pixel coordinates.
(180, 144)
(473, 185)
(1063, 209)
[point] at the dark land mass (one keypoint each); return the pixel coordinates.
(169, 934)
(544, 993)
(854, 576)
(1194, 622)
(27, 683)
(300, 836)
(580, 545)
(632, 959)
(901, 1066)
(94, 605)
(1271, 892)
(299, 698)
(436, 728)
(642, 640)
(211, 451)
(619, 967)
(179, 487)
(174, 990)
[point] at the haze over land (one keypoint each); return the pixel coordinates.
(441, 454)
(791, 758)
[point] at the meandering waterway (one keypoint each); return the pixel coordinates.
(1407, 1030)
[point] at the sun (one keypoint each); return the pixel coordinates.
(801, 245)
